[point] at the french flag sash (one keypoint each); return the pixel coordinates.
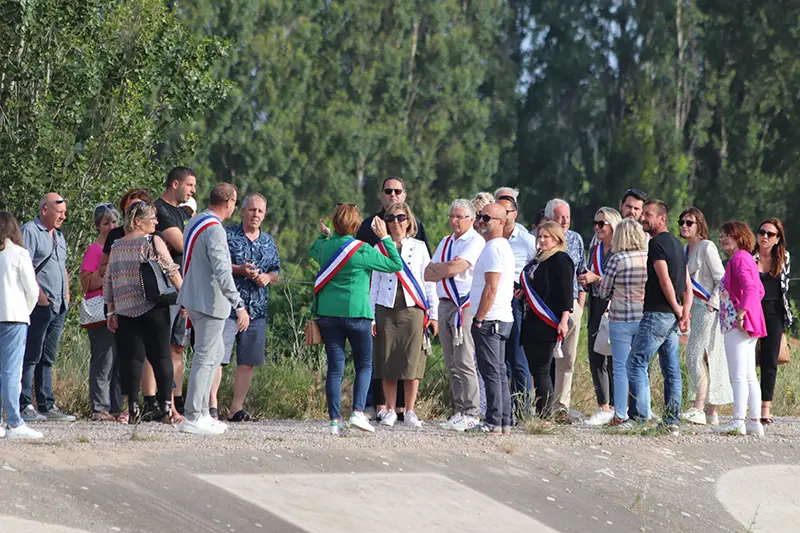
(697, 289)
(190, 239)
(449, 284)
(411, 286)
(339, 259)
(597, 260)
(537, 304)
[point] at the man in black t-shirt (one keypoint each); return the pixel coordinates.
(667, 300)
(180, 186)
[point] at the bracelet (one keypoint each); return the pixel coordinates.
(111, 313)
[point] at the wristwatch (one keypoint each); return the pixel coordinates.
(476, 322)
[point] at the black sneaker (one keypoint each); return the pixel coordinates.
(151, 412)
(240, 416)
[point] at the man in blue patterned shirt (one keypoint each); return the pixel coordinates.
(256, 266)
(558, 211)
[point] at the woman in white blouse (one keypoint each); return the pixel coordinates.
(403, 326)
(18, 295)
(709, 383)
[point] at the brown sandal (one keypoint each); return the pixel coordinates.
(102, 416)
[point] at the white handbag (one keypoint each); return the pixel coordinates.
(93, 312)
(602, 339)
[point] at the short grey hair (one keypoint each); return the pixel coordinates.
(550, 208)
(250, 196)
(466, 205)
(510, 191)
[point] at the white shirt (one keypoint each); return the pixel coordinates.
(468, 247)
(19, 291)
(496, 256)
(384, 285)
(523, 244)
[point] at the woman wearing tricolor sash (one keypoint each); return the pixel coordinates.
(547, 289)
(709, 385)
(342, 303)
(405, 307)
(602, 369)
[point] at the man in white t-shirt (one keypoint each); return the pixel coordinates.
(492, 290)
(451, 268)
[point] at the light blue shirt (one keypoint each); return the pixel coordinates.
(523, 244)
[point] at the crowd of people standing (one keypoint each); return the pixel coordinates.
(506, 304)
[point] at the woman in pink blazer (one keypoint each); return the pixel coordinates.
(742, 321)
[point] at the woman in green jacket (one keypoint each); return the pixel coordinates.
(344, 308)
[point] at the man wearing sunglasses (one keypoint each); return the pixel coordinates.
(48, 249)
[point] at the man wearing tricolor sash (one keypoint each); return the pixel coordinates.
(208, 293)
(451, 268)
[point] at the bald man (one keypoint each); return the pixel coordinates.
(48, 249)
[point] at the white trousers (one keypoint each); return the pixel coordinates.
(740, 349)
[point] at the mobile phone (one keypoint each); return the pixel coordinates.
(517, 286)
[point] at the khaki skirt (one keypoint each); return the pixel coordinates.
(397, 347)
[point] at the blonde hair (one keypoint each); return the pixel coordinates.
(613, 218)
(557, 232)
(628, 237)
(137, 211)
(482, 200)
(403, 207)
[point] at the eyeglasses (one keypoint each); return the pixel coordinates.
(486, 218)
(457, 217)
(235, 201)
(388, 192)
(769, 234)
(686, 222)
(599, 223)
(402, 217)
(636, 193)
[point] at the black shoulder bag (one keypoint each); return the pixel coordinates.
(156, 285)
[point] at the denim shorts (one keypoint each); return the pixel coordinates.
(251, 344)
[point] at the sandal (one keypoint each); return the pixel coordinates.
(102, 416)
(123, 417)
(240, 416)
(767, 420)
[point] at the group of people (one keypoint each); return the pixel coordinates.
(507, 306)
(137, 339)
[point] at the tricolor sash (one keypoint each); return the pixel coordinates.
(697, 289)
(597, 260)
(411, 286)
(449, 284)
(537, 304)
(190, 239)
(339, 259)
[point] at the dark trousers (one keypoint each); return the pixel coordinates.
(601, 366)
(517, 370)
(770, 349)
(490, 349)
(542, 365)
(140, 338)
(41, 349)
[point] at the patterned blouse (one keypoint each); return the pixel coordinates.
(122, 286)
(623, 283)
(784, 287)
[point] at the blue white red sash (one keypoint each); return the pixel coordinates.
(190, 238)
(537, 304)
(336, 262)
(411, 286)
(597, 260)
(697, 289)
(449, 284)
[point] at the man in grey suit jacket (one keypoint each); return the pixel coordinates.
(208, 293)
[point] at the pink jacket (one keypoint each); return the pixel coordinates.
(746, 291)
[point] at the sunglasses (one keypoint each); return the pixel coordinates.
(687, 223)
(400, 218)
(599, 223)
(60, 201)
(636, 193)
(103, 207)
(388, 192)
(486, 218)
(507, 198)
(769, 234)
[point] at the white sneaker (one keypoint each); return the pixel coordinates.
(336, 427)
(695, 416)
(412, 420)
(23, 432)
(600, 418)
(467, 423)
(734, 427)
(200, 427)
(380, 414)
(208, 419)
(712, 420)
(754, 427)
(389, 418)
(2, 431)
(448, 424)
(360, 421)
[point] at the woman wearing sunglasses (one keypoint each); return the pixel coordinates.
(605, 222)
(401, 320)
(773, 267)
(709, 384)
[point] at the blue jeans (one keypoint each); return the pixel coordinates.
(335, 332)
(517, 371)
(621, 334)
(12, 351)
(41, 349)
(490, 349)
(657, 332)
